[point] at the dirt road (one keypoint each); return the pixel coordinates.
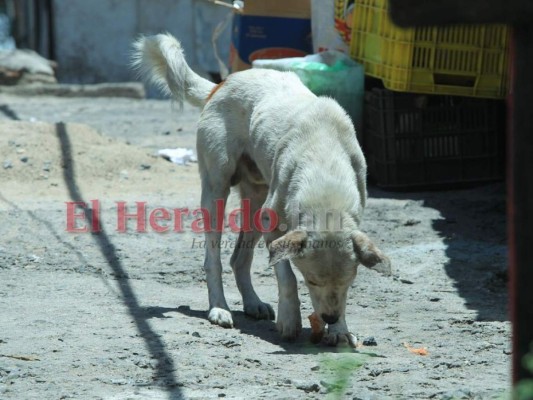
(123, 315)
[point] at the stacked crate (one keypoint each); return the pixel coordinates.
(446, 126)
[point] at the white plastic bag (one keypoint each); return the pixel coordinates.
(331, 22)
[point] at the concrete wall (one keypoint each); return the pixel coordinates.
(93, 37)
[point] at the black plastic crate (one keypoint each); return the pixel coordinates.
(414, 140)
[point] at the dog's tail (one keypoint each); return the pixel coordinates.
(160, 59)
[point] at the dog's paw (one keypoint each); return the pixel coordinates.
(384, 267)
(289, 330)
(340, 339)
(289, 322)
(219, 316)
(259, 310)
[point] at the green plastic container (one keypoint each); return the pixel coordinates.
(330, 73)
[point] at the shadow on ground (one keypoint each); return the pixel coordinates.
(164, 372)
(473, 228)
(266, 330)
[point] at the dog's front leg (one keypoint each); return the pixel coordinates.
(338, 334)
(289, 318)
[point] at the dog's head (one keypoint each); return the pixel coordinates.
(328, 262)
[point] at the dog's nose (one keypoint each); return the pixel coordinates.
(329, 318)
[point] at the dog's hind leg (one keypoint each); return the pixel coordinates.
(219, 312)
(241, 260)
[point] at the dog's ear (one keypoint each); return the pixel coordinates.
(287, 246)
(369, 255)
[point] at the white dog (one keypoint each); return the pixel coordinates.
(291, 152)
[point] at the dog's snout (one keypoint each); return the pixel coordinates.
(329, 318)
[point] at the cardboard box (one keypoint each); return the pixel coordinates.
(270, 29)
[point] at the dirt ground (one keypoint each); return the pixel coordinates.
(123, 315)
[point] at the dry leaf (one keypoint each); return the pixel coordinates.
(421, 351)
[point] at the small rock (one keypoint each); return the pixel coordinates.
(144, 167)
(24, 159)
(370, 341)
(222, 395)
(330, 387)
(196, 334)
(124, 174)
(315, 368)
(434, 299)
(166, 133)
(411, 222)
(144, 363)
(407, 281)
(46, 166)
(7, 164)
(229, 343)
(451, 365)
(179, 129)
(20, 150)
(118, 382)
(307, 386)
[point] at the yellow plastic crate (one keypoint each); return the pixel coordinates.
(464, 60)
